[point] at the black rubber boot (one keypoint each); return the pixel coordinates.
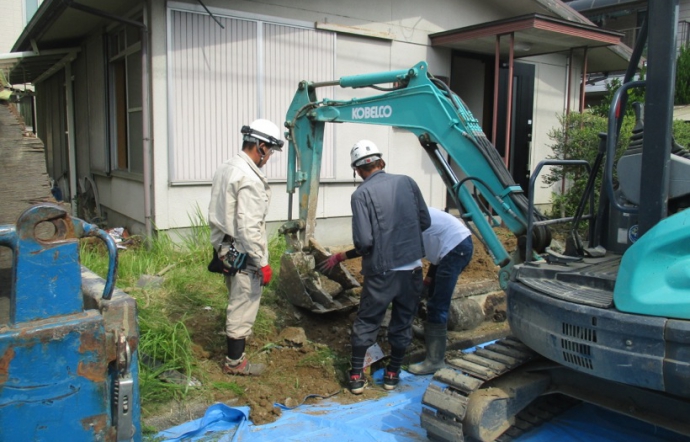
(435, 339)
(236, 361)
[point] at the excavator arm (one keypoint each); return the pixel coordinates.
(442, 123)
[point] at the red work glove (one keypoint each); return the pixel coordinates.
(266, 273)
(331, 262)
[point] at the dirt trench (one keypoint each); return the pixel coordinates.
(309, 353)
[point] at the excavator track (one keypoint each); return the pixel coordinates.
(541, 410)
(446, 399)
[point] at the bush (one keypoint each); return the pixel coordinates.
(681, 132)
(602, 109)
(682, 95)
(577, 139)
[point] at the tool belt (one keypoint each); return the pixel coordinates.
(227, 259)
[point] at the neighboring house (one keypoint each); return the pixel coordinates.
(15, 15)
(13, 19)
(626, 17)
(144, 99)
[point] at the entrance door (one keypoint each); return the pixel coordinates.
(521, 120)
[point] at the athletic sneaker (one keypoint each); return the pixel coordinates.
(242, 367)
(391, 379)
(357, 383)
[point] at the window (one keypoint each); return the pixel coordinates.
(222, 78)
(125, 124)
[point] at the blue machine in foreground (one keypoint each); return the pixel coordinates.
(68, 341)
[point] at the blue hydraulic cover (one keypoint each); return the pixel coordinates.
(67, 353)
(654, 276)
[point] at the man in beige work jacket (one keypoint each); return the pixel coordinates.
(237, 216)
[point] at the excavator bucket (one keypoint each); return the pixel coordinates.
(306, 287)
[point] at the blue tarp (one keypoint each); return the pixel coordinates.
(395, 417)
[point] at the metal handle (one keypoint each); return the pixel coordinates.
(90, 230)
(533, 179)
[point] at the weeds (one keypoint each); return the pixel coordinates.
(321, 358)
(165, 343)
(229, 386)
(188, 290)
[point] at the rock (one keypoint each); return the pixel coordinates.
(293, 337)
(464, 314)
(493, 303)
(150, 281)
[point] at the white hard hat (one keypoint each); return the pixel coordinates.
(263, 130)
(364, 152)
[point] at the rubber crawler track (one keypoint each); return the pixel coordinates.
(445, 400)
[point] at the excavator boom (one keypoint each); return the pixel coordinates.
(423, 105)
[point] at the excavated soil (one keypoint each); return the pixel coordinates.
(301, 356)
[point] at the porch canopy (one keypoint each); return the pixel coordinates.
(53, 36)
(537, 34)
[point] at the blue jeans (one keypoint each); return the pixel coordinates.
(443, 284)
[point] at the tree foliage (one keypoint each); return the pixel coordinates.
(577, 138)
(682, 95)
(634, 95)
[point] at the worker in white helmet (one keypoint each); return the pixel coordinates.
(240, 196)
(388, 217)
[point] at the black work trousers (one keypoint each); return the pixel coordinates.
(403, 289)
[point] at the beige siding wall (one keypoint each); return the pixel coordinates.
(549, 102)
(684, 10)
(11, 23)
(371, 37)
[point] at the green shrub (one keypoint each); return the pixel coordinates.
(682, 95)
(681, 132)
(577, 139)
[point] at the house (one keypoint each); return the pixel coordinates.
(137, 101)
(626, 17)
(15, 16)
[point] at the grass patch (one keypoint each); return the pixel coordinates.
(325, 357)
(229, 386)
(188, 289)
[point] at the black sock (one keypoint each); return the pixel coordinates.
(358, 354)
(235, 348)
(397, 356)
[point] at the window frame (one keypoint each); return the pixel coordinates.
(114, 100)
(178, 177)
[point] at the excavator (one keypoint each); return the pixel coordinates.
(605, 321)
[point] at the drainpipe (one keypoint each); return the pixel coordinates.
(497, 57)
(583, 86)
(509, 104)
(146, 131)
(71, 139)
(145, 114)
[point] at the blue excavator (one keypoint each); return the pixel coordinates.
(606, 321)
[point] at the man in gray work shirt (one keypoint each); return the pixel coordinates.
(388, 217)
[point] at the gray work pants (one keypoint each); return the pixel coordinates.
(403, 289)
